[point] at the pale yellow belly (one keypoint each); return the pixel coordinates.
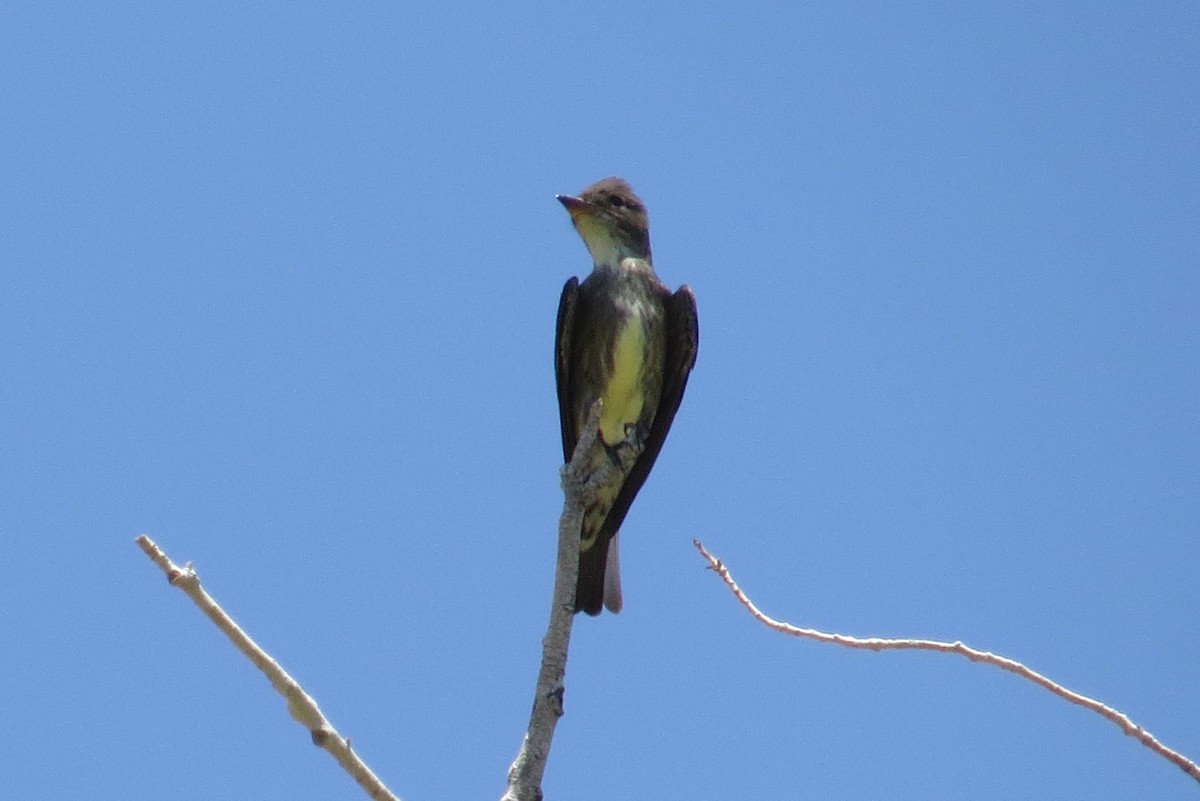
(623, 397)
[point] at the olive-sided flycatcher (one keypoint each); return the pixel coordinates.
(625, 338)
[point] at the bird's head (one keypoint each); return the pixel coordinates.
(611, 220)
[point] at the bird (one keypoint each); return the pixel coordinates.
(624, 338)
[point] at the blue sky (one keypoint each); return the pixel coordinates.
(278, 286)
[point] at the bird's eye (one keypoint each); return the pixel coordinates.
(616, 201)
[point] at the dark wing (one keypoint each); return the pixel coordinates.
(683, 340)
(562, 364)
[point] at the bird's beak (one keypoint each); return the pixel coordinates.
(575, 206)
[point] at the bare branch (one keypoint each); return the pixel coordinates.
(300, 704)
(1012, 666)
(525, 775)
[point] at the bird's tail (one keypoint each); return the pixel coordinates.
(599, 583)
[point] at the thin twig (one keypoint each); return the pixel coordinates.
(1012, 666)
(578, 481)
(300, 704)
